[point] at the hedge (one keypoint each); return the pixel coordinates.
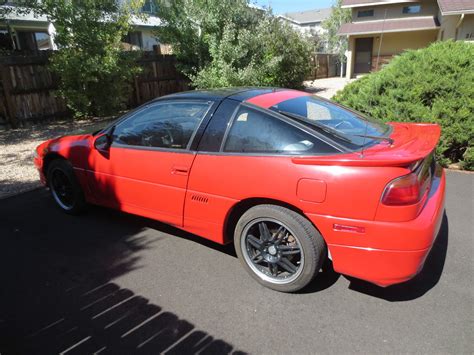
(433, 84)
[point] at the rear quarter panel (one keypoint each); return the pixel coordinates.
(219, 181)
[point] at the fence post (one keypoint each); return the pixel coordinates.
(327, 65)
(7, 88)
(137, 91)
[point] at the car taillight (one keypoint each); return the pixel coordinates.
(402, 191)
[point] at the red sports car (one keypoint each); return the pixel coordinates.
(291, 178)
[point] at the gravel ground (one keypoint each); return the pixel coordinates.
(17, 172)
(326, 88)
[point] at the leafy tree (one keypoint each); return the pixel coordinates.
(222, 43)
(336, 44)
(433, 84)
(94, 72)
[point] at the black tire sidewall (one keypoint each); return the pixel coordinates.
(311, 242)
(67, 169)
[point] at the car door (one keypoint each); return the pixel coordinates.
(145, 169)
(251, 157)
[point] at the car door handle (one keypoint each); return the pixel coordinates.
(179, 170)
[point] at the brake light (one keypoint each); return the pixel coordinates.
(402, 191)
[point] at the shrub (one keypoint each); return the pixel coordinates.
(433, 84)
(220, 43)
(94, 73)
(271, 54)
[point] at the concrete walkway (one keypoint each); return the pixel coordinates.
(326, 88)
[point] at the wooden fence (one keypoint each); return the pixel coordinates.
(159, 78)
(28, 89)
(323, 65)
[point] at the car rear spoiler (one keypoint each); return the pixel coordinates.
(411, 142)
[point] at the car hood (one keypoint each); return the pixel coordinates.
(63, 143)
(411, 142)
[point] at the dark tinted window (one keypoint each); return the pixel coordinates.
(253, 131)
(162, 125)
(412, 9)
(5, 40)
(211, 141)
(134, 38)
(348, 125)
(33, 40)
(365, 13)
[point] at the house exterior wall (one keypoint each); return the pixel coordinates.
(447, 27)
(466, 29)
(394, 11)
(392, 44)
(29, 21)
(306, 28)
(350, 54)
(451, 29)
(148, 38)
(17, 26)
(395, 43)
(311, 27)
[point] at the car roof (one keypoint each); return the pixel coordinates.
(235, 93)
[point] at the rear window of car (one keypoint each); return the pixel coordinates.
(345, 126)
(254, 131)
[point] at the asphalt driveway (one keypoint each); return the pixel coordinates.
(114, 283)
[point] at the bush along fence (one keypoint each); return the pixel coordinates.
(28, 89)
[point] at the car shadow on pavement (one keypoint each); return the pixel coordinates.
(98, 316)
(57, 292)
(168, 229)
(325, 279)
(420, 284)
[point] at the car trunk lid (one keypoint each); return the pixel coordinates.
(412, 143)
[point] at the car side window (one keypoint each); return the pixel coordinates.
(254, 131)
(162, 125)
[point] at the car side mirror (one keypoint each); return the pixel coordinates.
(102, 143)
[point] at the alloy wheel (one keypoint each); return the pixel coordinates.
(272, 250)
(62, 189)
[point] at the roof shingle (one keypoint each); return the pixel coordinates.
(310, 16)
(365, 2)
(455, 6)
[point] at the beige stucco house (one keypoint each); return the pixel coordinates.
(308, 22)
(27, 31)
(388, 27)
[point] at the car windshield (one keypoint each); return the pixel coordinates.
(91, 128)
(345, 126)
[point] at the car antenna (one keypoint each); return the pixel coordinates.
(375, 82)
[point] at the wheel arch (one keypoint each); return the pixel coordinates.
(48, 158)
(244, 205)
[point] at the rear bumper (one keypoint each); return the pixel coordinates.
(388, 252)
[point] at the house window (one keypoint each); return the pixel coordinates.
(365, 13)
(134, 38)
(33, 41)
(149, 7)
(42, 41)
(412, 9)
(6, 42)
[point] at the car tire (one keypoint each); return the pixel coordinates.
(259, 257)
(70, 197)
